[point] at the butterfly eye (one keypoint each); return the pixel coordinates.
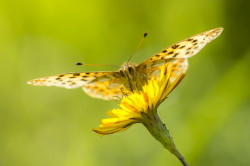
(130, 69)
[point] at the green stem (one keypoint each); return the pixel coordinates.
(159, 131)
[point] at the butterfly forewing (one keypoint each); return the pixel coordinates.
(104, 85)
(187, 47)
(68, 80)
(178, 53)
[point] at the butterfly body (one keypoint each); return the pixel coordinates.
(131, 77)
(109, 85)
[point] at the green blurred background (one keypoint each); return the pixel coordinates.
(208, 114)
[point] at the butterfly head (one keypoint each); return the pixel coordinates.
(128, 69)
(129, 75)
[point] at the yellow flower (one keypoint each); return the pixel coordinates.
(141, 107)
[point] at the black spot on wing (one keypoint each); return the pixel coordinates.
(176, 54)
(175, 46)
(62, 75)
(76, 74)
(170, 52)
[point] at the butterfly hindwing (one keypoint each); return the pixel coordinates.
(107, 87)
(153, 68)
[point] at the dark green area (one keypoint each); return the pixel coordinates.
(208, 114)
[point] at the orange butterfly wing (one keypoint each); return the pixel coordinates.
(104, 85)
(178, 53)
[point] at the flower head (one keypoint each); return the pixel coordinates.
(141, 107)
(138, 106)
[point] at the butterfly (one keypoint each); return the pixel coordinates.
(112, 84)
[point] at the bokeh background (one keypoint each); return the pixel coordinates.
(208, 114)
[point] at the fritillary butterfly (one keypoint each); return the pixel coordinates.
(130, 77)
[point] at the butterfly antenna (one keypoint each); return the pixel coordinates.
(138, 46)
(80, 64)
